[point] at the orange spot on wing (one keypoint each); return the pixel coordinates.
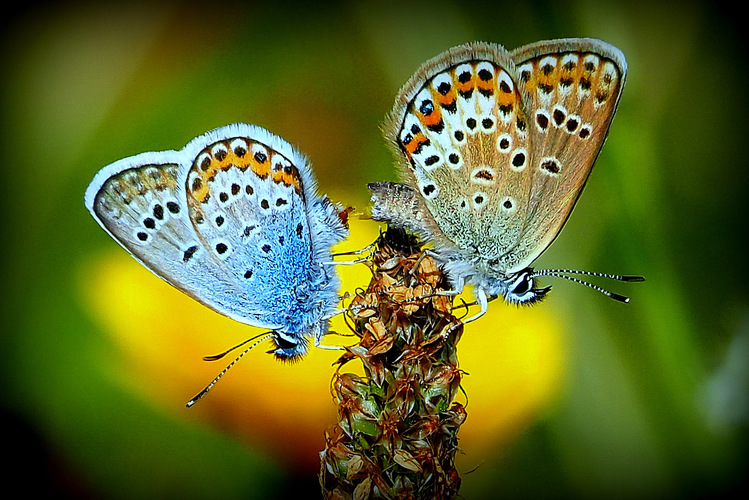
(288, 178)
(505, 98)
(447, 99)
(417, 140)
(547, 79)
(468, 86)
(261, 169)
(201, 194)
(568, 75)
(232, 160)
(411, 147)
(486, 85)
(531, 85)
(432, 118)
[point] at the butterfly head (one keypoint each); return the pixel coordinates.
(288, 346)
(521, 288)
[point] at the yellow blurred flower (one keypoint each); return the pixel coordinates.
(513, 356)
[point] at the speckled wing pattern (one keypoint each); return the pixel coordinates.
(499, 144)
(232, 220)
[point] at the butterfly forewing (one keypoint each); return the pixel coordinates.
(572, 88)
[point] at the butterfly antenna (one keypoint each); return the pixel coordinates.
(557, 273)
(263, 337)
(617, 277)
(216, 357)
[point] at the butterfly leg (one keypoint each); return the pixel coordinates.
(327, 347)
(360, 251)
(481, 299)
(483, 302)
(345, 262)
(319, 336)
(366, 249)
(412, 272)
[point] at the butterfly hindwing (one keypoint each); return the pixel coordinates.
(247, 203)
(460, 125)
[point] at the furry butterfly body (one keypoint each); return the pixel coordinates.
(234, 221)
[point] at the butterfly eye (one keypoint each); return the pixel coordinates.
(288, 347)
(284, 343)
(523, 285)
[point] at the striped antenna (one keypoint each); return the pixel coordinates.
(260, 338)
(562, 273)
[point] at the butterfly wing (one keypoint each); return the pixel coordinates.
(460, 129)
(253, 203)
(572, 90)
(399, 205)
(199, 235)
(468, 127)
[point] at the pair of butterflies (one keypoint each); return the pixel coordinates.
(494, 148)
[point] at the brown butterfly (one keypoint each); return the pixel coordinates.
(494, 148)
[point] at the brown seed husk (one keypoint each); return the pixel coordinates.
(396, 435)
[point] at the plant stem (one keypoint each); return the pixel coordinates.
(398, 424)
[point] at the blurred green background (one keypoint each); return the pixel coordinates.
(651, 400)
